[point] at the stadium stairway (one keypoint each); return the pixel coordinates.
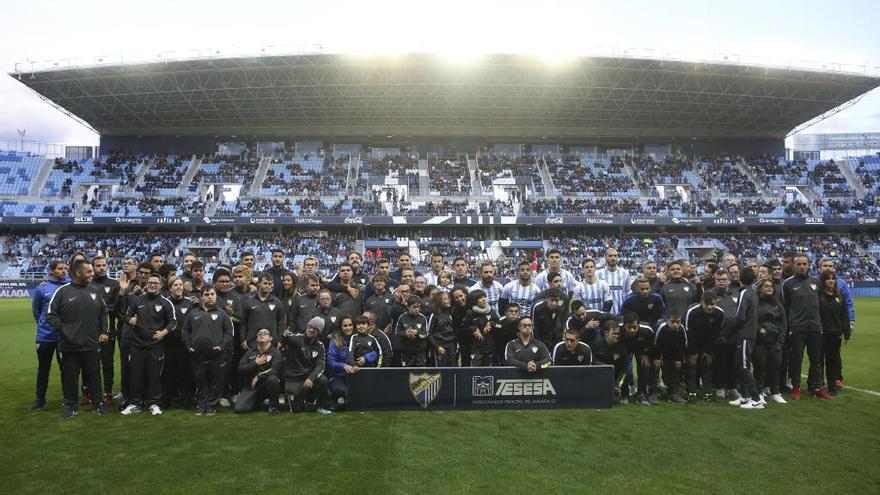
(188, 176)
(424, 178)
(746, 170)
(139, 177)
(549, 187)
(627, 165)
(256, 188)
(354, 165)
(476, 188)
(846, 168)
(42, 176)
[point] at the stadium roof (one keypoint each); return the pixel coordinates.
(497, 96)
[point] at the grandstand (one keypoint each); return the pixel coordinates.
(363, 151)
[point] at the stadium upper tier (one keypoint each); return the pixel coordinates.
(290, 184)
(499, 95)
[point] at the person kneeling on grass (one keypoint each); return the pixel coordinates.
(571, 351)
(525, 351)
(607, 349)
(261, 368)
(207, 332)
(304, 363)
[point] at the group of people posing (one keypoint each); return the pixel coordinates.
(257, 340)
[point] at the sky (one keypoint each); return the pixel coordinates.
(842, 32)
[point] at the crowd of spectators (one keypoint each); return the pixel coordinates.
(449, 176)
(724, 176)
(164, 173)
(147, 206)
(828, 176)
(571, 175)
(670, 170)
(773, 171)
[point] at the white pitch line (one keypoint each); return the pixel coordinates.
(850, 387)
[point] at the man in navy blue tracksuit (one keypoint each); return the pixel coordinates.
(47, 337)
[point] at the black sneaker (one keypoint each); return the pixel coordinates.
(101, 410)
(69, 412)
(692, 398)
(677, 399)
(200, 411)
(273, 411)
(642, 400)
(37, 405)
(210, 411)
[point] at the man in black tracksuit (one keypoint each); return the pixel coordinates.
(678, 293)
(670, 347)
(230, 300)
(412, 331)
(588, 322)
(505, 331)
(207, 331)
(547, 318)
(525, 351)
(379, 303)
(307, 304)
(305, 360)
(724, 368)
(109, 290)
(77, 312)
(277, 272)
(607, 349)
(639, 341)
(800, 297)
(571, 351)
(261, 366)
(261, 310)
(381, 337)
(702, 323)
(744, 333)
(330, 315)
(131, 292)
(151, 318)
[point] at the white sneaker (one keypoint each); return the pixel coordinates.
(777, 398)
(282, 400)
(766, 390)
(752, 404)
(155, 410)
(235, 398)
(224, 402)
(762, 400)
(720, 393)
(739, 402)
(131, 409)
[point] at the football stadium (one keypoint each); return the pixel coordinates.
(318, 272)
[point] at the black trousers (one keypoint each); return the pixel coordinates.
(413, 359)
(813, 343)
(234, 381)
(671, 376)
(320, 392)
(831, 355)
(45, 352)
(647, 377)
(124, 367)
(252, 398)
(784, 360)
(146, 375)
(177, 376)
(209, 373)
(703, 370)
(743, 359)
(481, 359)
(447, 360)
(724, 370)
(766, 362)
(72, 363)
(107, 354)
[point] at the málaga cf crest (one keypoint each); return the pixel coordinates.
(424, 387)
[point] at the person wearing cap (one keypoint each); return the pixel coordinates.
(261, 367)
(525, 351)
(304, 364)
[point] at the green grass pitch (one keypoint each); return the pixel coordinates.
(805, 447)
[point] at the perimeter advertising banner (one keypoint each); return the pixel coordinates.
(574, 220)
(17, 288)
(505, 387)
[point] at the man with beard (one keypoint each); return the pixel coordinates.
(436, 268)
(277, 271)
(678, 294)
(308, 303)
(489, 285)
(261, 310)
(109, 290)
(188, 260)
(197, 285)
(521, 291)
(800, 297)
(348, 299)
(617, 278)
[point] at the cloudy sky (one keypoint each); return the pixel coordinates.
(843, 32)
